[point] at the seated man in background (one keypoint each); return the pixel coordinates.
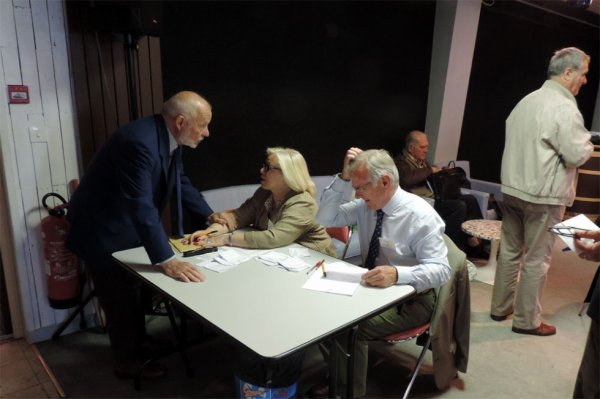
(414, 171)
(401, 241)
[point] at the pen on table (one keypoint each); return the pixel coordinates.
(323, 268)
(316, 266)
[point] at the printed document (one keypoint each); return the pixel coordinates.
(341, 278)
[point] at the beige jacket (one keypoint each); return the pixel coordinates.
(545, 142)
(451, 321)
(294, 223)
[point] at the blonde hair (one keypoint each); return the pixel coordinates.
(294, 169)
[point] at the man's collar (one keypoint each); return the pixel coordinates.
(172, 142)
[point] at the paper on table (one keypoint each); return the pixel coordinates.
(341, 279)
(298, 252)
(287, 262)
(577, 222)
(226, 259)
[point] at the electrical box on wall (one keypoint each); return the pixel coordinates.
(18, 94)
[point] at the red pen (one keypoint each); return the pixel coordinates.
(316, 266)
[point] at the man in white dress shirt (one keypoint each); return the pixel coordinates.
(411, 248)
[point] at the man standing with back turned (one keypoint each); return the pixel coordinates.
(118, 206)
(545, 143)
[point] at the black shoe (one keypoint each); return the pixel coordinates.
(319, 391)
(499, 318)
(151, 371)
(477, 252)
(152, 348)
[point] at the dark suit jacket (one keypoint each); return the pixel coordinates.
(123, 192)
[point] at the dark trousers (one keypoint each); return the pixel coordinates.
(587, 384)
(120, 296)
(454, 213)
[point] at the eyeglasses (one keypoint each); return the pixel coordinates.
(267, 167)
(363, 188)
(565, 231)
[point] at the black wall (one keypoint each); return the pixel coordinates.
(316, 76)
(514, 44)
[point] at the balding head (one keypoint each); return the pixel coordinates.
(187, 115)
(417, 144)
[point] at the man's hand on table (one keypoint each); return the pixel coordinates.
(181, 270)
(381, 276)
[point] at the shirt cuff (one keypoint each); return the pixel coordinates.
(164, 261)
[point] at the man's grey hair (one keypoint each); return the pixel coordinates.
(379, 163)
(413, 137)
(569, 57)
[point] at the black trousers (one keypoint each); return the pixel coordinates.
(120, 296)
(454, 213)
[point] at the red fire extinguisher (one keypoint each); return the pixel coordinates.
(62, 268)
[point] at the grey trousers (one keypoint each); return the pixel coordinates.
(525, 254)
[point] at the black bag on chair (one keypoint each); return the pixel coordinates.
(447, 182)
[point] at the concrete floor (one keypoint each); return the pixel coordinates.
(502, 364)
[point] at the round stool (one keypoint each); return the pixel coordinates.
(486, 230)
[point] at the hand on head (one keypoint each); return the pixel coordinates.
(585, 249)
(351, 154)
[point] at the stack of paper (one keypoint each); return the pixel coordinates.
(225, 259)
(289, 263)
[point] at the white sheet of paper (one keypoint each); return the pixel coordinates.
(218, 267)
(341, 279)
(298, 252)
(579, 222)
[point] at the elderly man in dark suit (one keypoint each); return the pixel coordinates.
(118, 206)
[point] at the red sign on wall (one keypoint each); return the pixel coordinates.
(18, 94)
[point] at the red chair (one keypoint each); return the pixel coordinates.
(342, 234)
(407, 335)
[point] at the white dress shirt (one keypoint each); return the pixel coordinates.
(411, 239)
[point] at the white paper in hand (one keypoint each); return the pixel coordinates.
(578, 222)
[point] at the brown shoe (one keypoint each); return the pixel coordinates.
(543, 330)
(151, 371)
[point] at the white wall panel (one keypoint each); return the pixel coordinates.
(33, 52)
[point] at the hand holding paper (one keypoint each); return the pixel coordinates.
(568, 228)
(588, 250)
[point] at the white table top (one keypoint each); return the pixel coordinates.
(265, 308)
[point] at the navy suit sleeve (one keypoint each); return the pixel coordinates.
(193, 200)
(138, 170)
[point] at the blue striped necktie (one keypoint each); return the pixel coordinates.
(374, 245)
